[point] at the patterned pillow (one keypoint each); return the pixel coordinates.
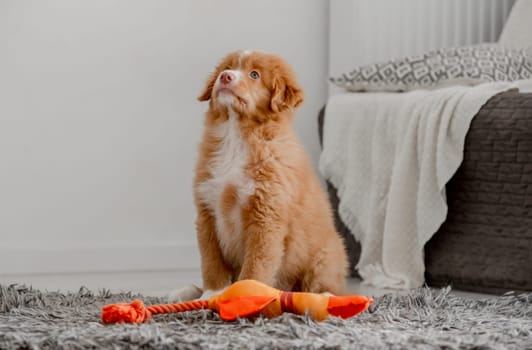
(469, 65)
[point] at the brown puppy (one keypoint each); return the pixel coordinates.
(262, 213)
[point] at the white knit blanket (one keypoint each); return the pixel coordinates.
(390, 156)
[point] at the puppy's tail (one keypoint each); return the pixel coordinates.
(187, 293)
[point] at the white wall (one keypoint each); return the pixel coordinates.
(99, 123)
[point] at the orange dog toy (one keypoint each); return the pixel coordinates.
(246, 298)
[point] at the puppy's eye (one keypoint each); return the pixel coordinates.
(254, 74)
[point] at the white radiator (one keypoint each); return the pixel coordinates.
(366, 31)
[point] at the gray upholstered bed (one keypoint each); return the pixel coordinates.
(485, 244)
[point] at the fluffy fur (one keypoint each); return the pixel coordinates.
(262, 213)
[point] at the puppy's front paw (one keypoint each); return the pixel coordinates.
(187, 293)
(210, 293)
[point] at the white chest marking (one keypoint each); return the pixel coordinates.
(227, 168)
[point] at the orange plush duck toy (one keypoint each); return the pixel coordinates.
(246, 298)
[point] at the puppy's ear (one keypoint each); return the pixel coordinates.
(286, 94)
(207, 90)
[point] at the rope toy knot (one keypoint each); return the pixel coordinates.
(135, 312)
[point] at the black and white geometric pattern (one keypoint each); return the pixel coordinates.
(468, 65)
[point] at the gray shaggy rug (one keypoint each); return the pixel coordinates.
(424, 319)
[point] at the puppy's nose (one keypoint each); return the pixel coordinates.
(227, 77)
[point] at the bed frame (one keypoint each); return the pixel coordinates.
(485, 244)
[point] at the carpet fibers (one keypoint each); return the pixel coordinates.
(423, 319)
